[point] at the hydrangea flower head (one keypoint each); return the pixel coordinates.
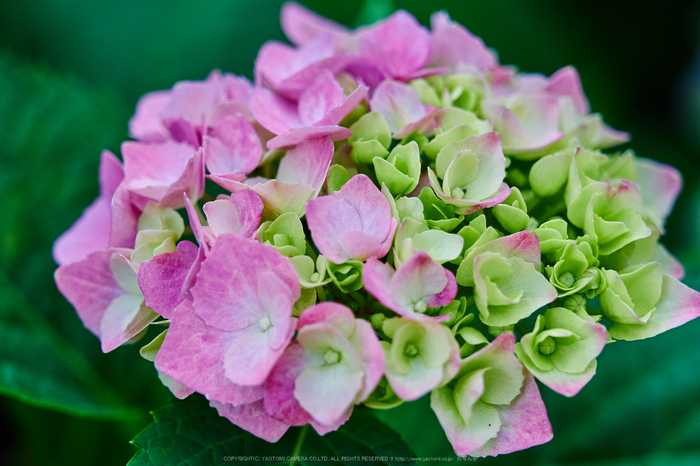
(397, 215)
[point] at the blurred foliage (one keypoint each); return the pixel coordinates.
(70, 75)
(206, 438)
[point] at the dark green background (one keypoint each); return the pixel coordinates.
(70, 74)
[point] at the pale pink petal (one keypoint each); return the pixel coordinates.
(524, 423)
(193, 354)
(416, 279)
(307, 163)
(302, 26)
(228, 279)
(233, 146)
(90, 286)
(279, 197)
(424, 126)
(252, 417)
(319, 99)
(338, 315)
(398, 46)
(339, 112)
(660, 185)
(677, 305)
(240, 214)
(376, 279)
(124, 318)
(452, 45)
(366, 342)
(398, 103)
(448, 293)
(274, 113)
(146, 124)
(298, 135)
(566, 82)
(161, 278)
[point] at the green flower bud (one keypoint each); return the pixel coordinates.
(438, 214)
(549, 174)
(377, 320)
(512, 213)
(383, 397)
(455, 125)
(337, 176)
(346, 276)
(285, 233)
(400, 172)
(370, 138)
(426, 92)
(311, 275)
(632, 295)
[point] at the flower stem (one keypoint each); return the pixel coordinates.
(321, 293)
(299, 444)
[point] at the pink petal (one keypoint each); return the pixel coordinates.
(252, 417)
(146, 124)
(274, 113)
(452, 45)
(660, 185)
(307, 163)
(337, 315)
(339, 112)
(195, 224)
(447, 295)
(228, 280)
(161, 278)
(319, 99)
(398, 46)
(524, 423)
(125, 218)
(193, 354)
(302, 26)
(233, 147)
(90, 286)
(398, 103)
(279, 388)
(366, 342)
(566, 82)
(376, 279)
(298, 135)
(416, 279)
(240, 214)
(124, 318)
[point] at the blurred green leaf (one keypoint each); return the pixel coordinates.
(39, 367)
(189, 432)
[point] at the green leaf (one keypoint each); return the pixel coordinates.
(40, 367)
(191, 433)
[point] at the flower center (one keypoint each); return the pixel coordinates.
(420, 306)
(265, 323)
(411, 350)
(314, 277)
(567, 280)
(548, 346)
(331, 356)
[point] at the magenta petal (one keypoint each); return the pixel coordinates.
(233, 147)
(193, 354)
(252, 417)
(524, 423)
(398, 46)
(448, 293)
(302, 26)
(296, 84)
(298, 135)
(161, 278)
(307, 163)
(279, 388)
(146, 124)
(274, 113)
(453, 45)
(319, 99)
(228, 280)
(90, 286)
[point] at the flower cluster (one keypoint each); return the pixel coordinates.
(396, 214)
